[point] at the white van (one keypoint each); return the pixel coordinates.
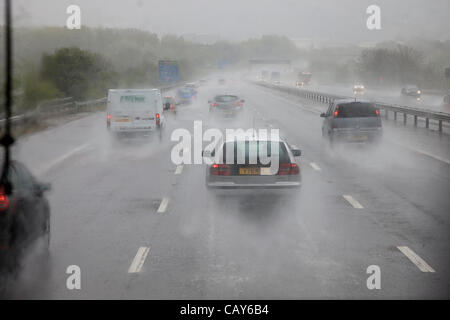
(134, 110)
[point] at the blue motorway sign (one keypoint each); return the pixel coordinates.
(168, 71)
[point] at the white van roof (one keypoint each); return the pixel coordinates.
(134, 90)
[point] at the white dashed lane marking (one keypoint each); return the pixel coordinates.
(139, 260)
(314, 166)
(163, 205)
(418, 261)
(353, 202)
(179, 169)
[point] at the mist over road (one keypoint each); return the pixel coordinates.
(356, 206)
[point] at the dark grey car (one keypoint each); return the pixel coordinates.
(24, 216)
(226, 105)
(412, 91)
(352, 121)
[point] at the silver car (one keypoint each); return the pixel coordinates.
(226, 105)
(253, 170)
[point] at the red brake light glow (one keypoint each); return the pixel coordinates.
(157, 119)
(288, 169)
(4, 200)
(220, 170)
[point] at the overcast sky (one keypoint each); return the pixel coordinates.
(337, 20)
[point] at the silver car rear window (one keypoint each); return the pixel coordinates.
(226, 98)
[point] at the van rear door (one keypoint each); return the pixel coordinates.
(143, 111)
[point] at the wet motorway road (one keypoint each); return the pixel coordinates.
(114, 202)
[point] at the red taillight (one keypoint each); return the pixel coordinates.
(108, 120)
(158, 121)
(4, 200)
(336, 113)
(294, 169)
(378, 112)
(288, 169)
(239, 104)
(213, 104)
(220, 170)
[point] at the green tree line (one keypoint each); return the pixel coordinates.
(53, 62)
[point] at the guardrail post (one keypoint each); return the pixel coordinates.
(415, 121)
(427, 123)
(404, 118)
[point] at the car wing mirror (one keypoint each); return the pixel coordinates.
(43, 187)
(296, 151)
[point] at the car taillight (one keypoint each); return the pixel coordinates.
(288, 169)
(220, 170)
(336, 113)
(4, 200)
(108, 119)
(158, 122)
(214, 105)
(239, 104)
(377, 112)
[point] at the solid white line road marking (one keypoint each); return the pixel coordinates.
(314, 166)
(353, 202)
(422, 152)
(179, 169)
(163, 205)
(64, 157)
(139, 260)
(418, 261)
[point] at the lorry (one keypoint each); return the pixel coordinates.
(134, 110)
(303, 79)
(275, 77)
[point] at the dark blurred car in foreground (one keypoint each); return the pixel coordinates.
(24, 217)
(412, 91)
(256, 174)
(349, 120)
(226, 105)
